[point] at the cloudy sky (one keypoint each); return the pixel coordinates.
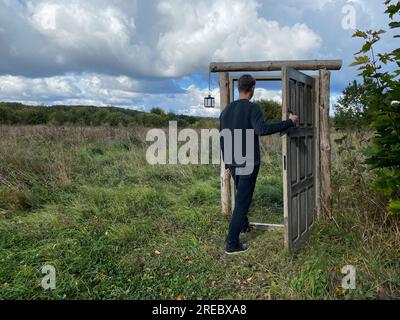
(140, 54)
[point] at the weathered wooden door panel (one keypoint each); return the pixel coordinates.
(299, 156)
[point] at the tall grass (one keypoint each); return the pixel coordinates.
(86, 201)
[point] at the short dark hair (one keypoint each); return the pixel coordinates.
(246, 82)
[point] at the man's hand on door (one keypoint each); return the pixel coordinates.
(294, 118)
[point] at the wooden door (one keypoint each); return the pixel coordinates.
(299, 157)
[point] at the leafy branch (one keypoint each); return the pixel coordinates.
(380, 73)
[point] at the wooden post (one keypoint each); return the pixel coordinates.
(317, 148)
(231, 90)
(325, 144)
(226, 199)
(231, 98)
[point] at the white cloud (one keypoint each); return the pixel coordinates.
(226, 31)
(73, 24)
(91, 34)
(264, 94)
(100, 88)
(308, 4)
(177, 38)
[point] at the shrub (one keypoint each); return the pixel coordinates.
(381, 88)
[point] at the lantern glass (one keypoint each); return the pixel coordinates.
(209, 102)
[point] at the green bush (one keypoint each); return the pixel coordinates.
(381, 87)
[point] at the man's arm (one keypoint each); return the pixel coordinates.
(263, 129)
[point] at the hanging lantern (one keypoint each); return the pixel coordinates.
(209, 102)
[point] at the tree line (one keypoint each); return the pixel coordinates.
(20, 114)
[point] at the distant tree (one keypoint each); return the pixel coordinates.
(32, 116)
(271, 110)
(6, 115)
(81, 116)
(100, 117)
(41, 116)
(351, 107)
(171, 115)
(182, 122)
(115, 119)
(58, 117)
(152, 120)
(158, 111)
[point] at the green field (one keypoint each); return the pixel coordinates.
(86, 201)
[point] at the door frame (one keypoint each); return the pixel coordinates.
(281, 227)
(322, 98)
(323, 67)
(262, 78)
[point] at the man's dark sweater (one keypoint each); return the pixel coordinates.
(244, 115)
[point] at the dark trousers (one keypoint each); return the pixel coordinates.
(244, 194)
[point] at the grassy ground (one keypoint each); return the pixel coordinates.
(114, 227)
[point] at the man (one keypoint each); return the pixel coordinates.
(248, 118)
